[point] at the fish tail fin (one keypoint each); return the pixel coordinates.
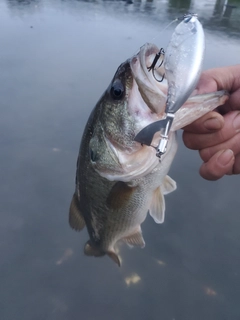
(91, 250)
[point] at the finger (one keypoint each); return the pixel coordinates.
(233, 144)
(220, 164)
(201, 141)
(210, 122)
(233, 103)
(207, 82)
(225, 78)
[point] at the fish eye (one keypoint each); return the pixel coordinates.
(117, 90)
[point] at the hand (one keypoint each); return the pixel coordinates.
(217, 134)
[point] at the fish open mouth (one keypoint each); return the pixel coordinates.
(150, 78)
(147, 55)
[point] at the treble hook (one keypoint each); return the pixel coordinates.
(152, 67)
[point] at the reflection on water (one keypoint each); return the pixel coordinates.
(22, 7)
(51, 77)
(217, 14)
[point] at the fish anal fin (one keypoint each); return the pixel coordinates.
(169, 185)
(157, 209)
(135, 239)
(76, 219)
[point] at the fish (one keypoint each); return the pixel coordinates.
(119, 180)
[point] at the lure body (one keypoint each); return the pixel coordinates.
(183, 62)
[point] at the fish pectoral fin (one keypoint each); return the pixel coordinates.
(169, 185)
(157, 209)
(135, 239)
(76, 219)
(114, 257)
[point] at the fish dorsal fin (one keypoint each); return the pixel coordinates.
(76, 219)
(135, 239)
(169, 185)
(157, 209)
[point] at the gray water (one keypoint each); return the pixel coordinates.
(56, 58)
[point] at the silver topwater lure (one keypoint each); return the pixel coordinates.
(183, 64)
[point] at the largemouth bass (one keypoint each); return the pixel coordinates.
(119, 180)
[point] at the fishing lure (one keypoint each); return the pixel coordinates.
(183, 65)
